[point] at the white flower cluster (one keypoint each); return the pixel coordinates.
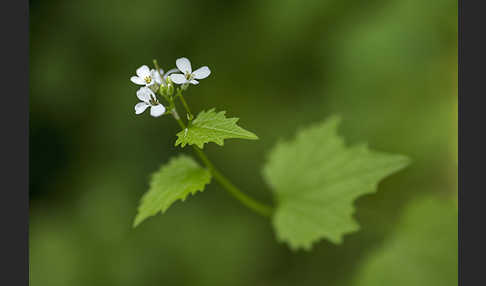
(153, 80)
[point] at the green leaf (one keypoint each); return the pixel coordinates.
(212, 126)
(422, 251)
(174, 181)
(316, 179)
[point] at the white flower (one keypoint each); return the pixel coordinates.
(144, 76)
(147, 97)
(188, 76)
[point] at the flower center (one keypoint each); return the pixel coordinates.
(189, 76)
(147, 79)
(153, 101)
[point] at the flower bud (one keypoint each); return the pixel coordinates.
(154, 87)
(163, 90)
(170, 86)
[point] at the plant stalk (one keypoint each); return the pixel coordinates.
(184, 103)
(246, 200)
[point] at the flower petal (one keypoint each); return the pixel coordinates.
(140, 107)
(178, 78)
(193, 81)
(156, 76)
(157, 110)
(184, 65)
(137, 80)
(143, 71)
(202, 72)
(171, 71)
(144, 94)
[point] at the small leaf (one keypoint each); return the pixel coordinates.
(316, 179)
(211, 126)
(174, 181)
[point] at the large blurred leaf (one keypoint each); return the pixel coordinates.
(422, 251)
(212, 126)
(316, 179)
(174, 181)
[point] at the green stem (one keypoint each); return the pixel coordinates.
(246, 200)
(184, 103)
(156, 64)
(232, 189)
(176, 117)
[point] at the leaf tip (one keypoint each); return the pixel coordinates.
(137, 221)
(253, 136)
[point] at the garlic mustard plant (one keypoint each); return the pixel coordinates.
(315, 178)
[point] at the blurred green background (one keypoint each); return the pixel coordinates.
(388, 67)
